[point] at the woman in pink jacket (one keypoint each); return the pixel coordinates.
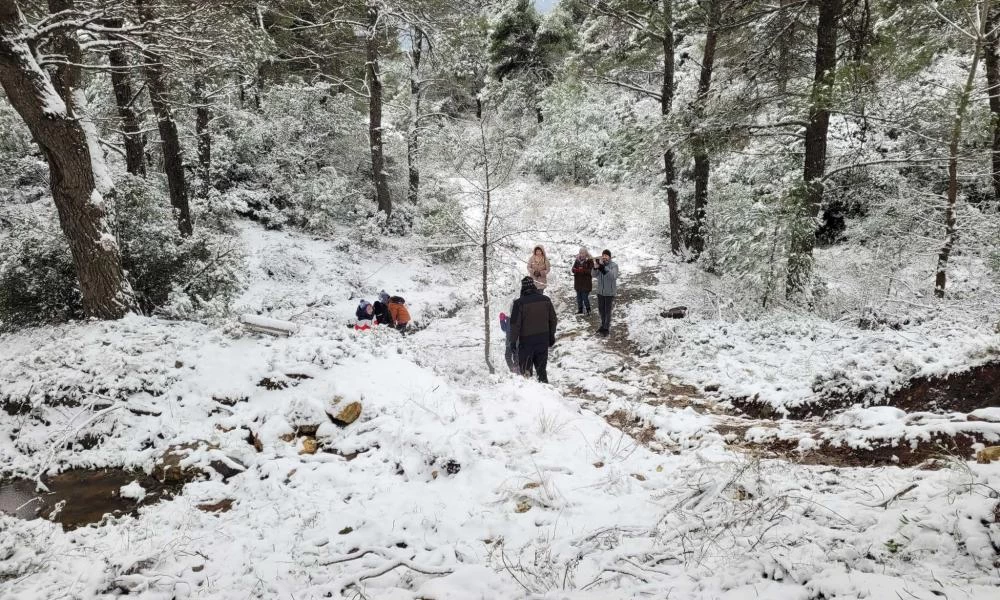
(539, 267)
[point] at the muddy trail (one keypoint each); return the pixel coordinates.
(635, 392)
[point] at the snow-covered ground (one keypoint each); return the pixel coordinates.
(457, 484)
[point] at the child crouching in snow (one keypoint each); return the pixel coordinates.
(365, 314)
(399, 313)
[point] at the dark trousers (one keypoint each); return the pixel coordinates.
(604, 304)
(534, 355)
(509, 356)
(582, 301)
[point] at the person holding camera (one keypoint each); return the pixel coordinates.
(539, 267)
(532, 329)
(606, 272)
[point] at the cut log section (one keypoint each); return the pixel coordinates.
(268, 325)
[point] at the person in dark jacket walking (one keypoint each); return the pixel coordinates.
(583, 280)
(532, 329)
(606, 272)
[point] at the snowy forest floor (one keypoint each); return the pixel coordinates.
(633, 475)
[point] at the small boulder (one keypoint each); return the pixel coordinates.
(677, 312)
(171, 470)
(168, 467)
(309, 446)
(224, 505)
(988, 454)
(347, 415)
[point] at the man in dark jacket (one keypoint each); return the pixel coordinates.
(583, 280)
(532, 329)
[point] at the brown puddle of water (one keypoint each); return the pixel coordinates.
(86, 496)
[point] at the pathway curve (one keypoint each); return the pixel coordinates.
(616, 379)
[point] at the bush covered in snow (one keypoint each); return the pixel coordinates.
(593, 135)
(172, 275)
(24, 175)
(302, 161)
(37, 278)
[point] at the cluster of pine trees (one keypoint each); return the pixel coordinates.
(766, 124)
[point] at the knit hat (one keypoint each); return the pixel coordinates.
(383, 296)
(606, 251)
(528, 285)
(364, 304)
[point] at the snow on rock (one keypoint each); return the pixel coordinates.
(133, 491)
(871, 416)
(991, 414)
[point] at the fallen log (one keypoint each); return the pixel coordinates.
(268, 325)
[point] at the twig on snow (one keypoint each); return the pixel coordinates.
(893, 498)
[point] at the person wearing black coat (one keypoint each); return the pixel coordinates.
(365, 311)
(532, 329)
(583, 280)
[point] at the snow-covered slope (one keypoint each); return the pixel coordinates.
(453, 483)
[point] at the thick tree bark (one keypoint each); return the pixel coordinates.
(814, 165)
(203, 117)
(121, 82)
(951, 231)
(666, 102)
(61, 136)
(991, 54)
(416, 92)
(702, 163)
(173, 159)
(373, 78)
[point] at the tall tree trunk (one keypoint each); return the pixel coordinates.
(203, 117)
(241, 90)
(666, 102)
(951, 231)
(702, 164)
(373, 78)
(786, 37)
(173, 159)
(121, 82)
(63, 140)
(416, 91)
(814, 165)
(487, 321)
(991, 54)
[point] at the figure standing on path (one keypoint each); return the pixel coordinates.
(532, 329)
(606, 272)
(583, 280)
(539, 267)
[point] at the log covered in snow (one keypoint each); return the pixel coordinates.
(268, 325)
